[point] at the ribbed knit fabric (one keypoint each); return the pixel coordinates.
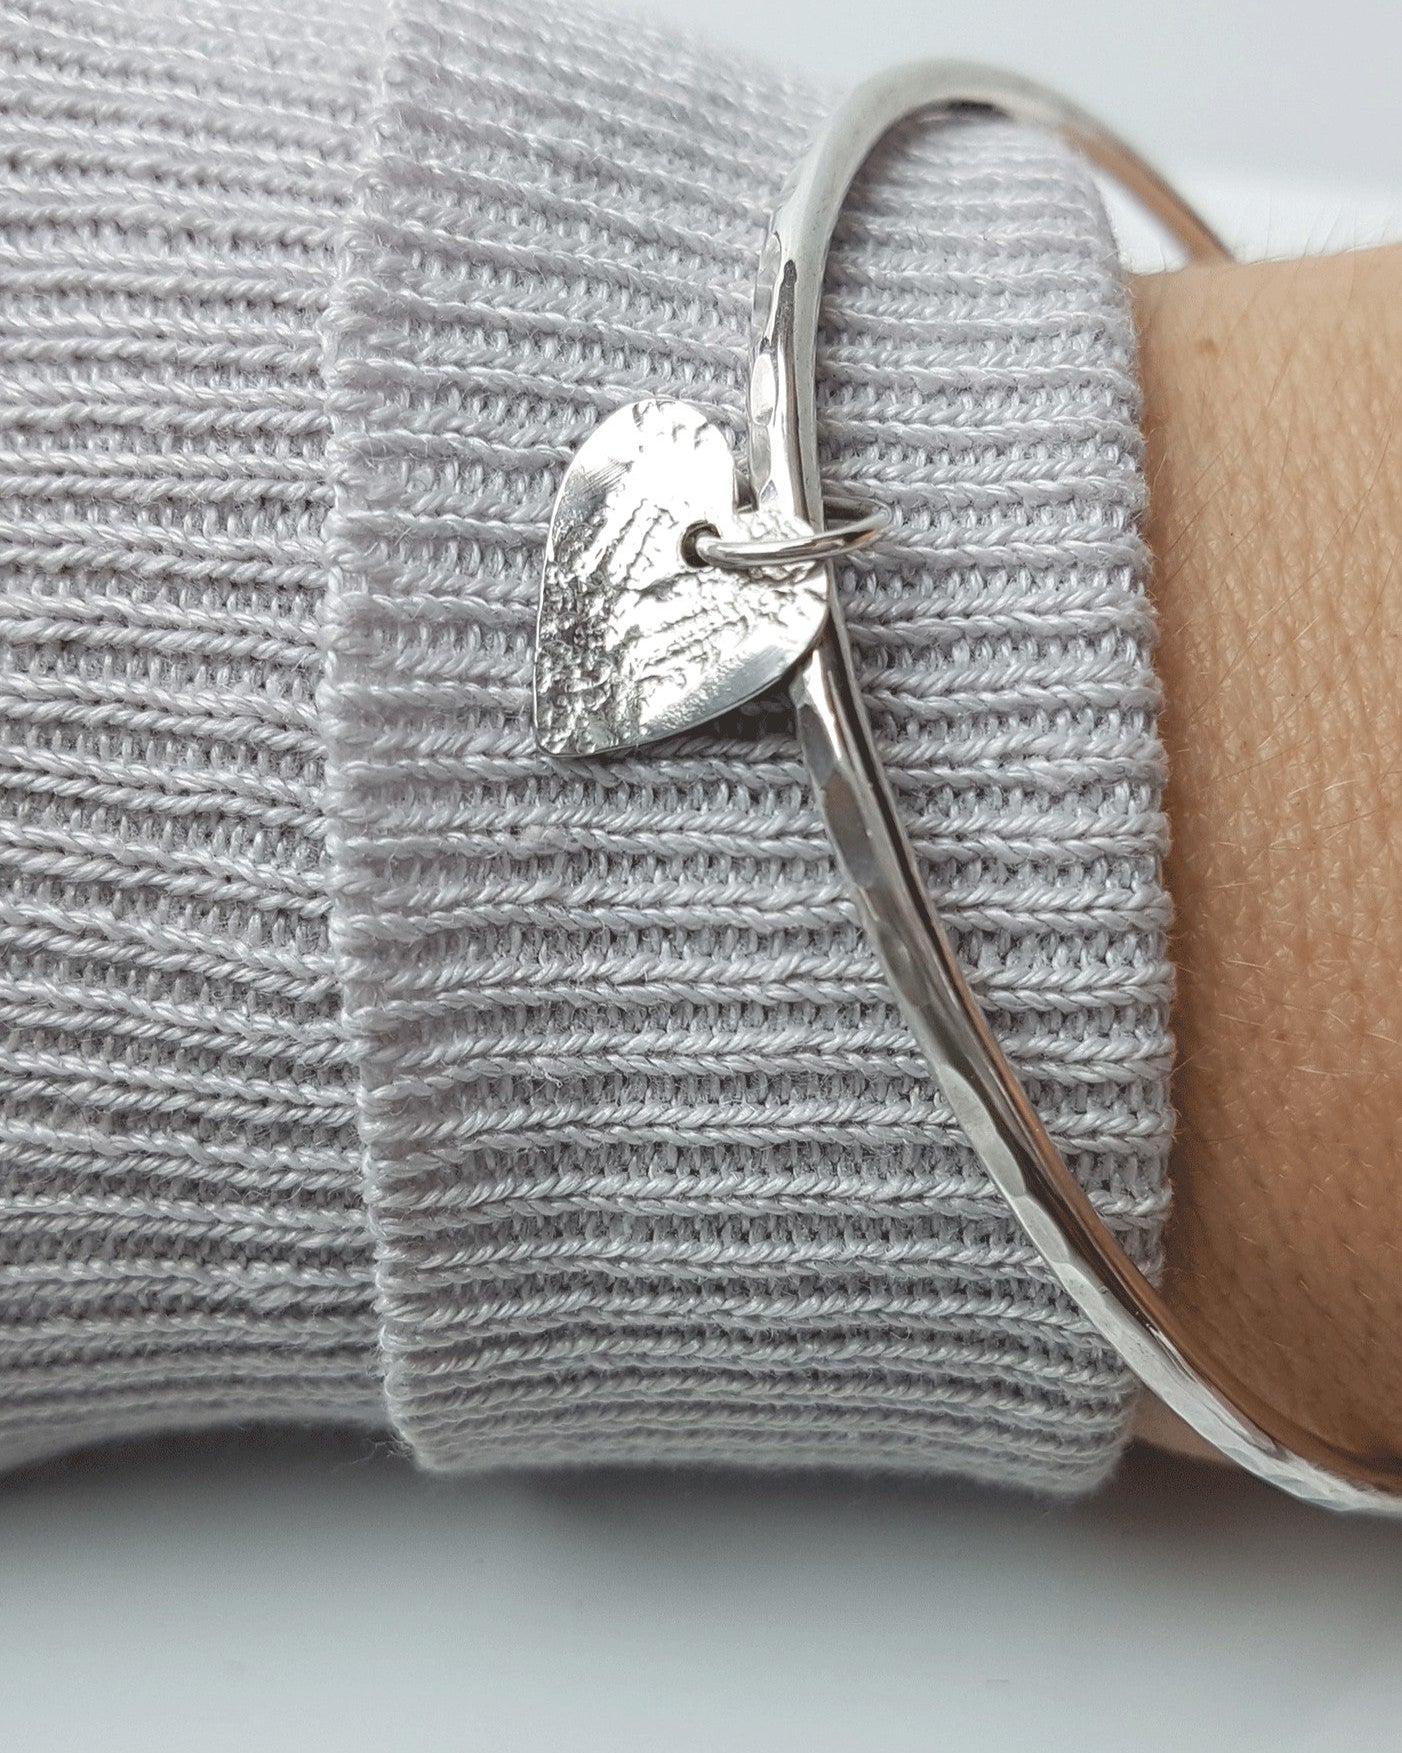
(182, 1238)
(649, 1163)
(655, 1168)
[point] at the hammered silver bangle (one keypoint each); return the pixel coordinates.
(674, 590)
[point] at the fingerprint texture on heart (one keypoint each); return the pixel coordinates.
(633, 642)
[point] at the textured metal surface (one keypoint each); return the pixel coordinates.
(638, 667)
(634, 641)
(982, 1089)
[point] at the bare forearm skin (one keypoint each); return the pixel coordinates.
(1273, 407)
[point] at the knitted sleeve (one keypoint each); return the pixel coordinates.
(359, 1061)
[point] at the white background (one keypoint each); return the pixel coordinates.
(280, 1593)
(1283, 118)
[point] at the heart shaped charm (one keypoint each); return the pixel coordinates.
(635, 640)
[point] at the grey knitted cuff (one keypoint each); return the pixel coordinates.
(653, 1167)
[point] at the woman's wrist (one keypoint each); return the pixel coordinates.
(1275, 501)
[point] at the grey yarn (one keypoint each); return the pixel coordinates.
(182, 1237)
(301, 321)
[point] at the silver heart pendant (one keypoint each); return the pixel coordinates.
(636, 639)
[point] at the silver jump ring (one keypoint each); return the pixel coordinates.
(858, 527)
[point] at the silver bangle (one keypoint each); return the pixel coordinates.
(646, 629)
